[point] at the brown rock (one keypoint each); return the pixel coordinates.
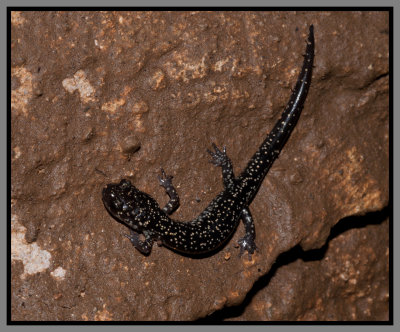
(346, 279)
(225, 78)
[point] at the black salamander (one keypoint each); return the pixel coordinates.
(214, 226)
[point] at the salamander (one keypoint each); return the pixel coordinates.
(212, 228)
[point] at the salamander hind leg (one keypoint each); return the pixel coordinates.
(248, 241)
(166, 182)
(221, 159)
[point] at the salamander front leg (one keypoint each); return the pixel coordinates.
(247, 242)
(143, 246)
(166, 182)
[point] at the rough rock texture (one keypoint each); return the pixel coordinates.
(346, 279)
(100, 96)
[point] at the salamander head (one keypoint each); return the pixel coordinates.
(129, 205)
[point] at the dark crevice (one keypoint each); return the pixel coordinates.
(381, 76)
(353, 222)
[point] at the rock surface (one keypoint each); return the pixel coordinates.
(100, 96)
(346, 279)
